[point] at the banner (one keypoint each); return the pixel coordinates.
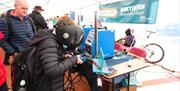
(130, 11)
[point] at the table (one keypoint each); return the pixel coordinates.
(123, 68)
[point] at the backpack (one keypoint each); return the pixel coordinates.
(23, 70)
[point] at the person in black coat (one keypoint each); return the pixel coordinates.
(54, 58)
(38, 19)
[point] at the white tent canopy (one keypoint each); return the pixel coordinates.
(54, 7)
(60, 7)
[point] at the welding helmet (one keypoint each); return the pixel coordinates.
(70, 36)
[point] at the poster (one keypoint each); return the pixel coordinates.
(129, 11)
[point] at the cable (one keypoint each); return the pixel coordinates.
(154, 71)
(71, 80)
(173, 71)
(84, 58)
(170, 73)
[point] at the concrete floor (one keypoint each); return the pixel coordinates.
(155, 77)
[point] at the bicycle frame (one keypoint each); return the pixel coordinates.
(146, 39)
(155, 53)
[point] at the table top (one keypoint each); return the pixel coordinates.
(127, 67)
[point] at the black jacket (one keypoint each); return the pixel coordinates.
(39, 20)
(50, 67)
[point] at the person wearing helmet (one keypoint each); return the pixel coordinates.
(55, 58)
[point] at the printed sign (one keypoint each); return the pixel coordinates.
(130, 11)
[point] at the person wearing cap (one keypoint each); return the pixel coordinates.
(38, 19)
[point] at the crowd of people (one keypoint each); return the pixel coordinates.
(53, 58)
(18, 30)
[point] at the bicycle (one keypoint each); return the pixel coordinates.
(151, 52)
(155, 53)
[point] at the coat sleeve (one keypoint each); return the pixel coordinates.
(54, 67)
(5, 42)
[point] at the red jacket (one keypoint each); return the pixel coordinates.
(3, 73)
(1, 36)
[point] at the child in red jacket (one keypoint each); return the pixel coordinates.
(3, 74)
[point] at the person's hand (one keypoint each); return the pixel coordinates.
(67, 55)
(11, 58)
(79, 60)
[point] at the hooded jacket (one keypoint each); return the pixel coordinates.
(51, 65)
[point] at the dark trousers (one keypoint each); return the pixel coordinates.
(85, 70)
(4, 87)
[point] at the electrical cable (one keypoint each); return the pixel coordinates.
(170, 73)
(71, 81)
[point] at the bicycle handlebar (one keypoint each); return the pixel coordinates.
(150, 31)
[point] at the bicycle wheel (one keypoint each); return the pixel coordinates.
(155, 53)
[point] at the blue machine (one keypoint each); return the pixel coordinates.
(106, 40)
(86, 31)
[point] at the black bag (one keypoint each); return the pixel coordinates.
(23, 70)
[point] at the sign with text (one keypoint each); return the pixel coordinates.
(130, 11)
